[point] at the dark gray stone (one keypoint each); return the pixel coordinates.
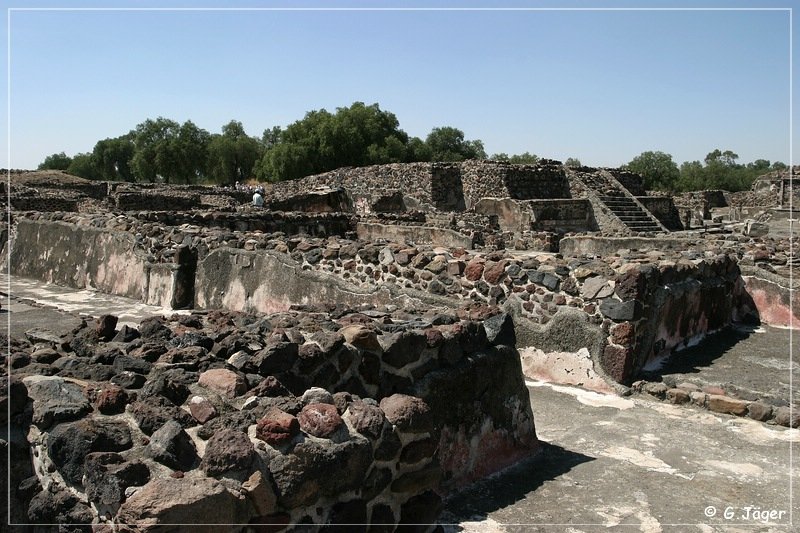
(55, 400)
(70, 443)
(619, 311)
(171, 446)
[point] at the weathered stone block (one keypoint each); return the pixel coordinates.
(726, 404)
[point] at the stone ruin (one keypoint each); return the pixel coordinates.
(356, 350)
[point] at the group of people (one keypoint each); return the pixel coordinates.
(258, 193)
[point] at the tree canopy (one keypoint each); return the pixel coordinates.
(59, 161)
(164, 150)
(232, 155)
(517, 159)
(657, 169)
(352, 136)
(448, 144)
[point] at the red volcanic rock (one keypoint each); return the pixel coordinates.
(494, 272)
(277, 427)
(201, 409)
(617, 362)
(366, 419)
(319, 419)
(224, 381)
(228, 450)
(111, 400)
(622, 334)
(408, 413)
(474, 269)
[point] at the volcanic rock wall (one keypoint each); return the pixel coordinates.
(445, 186)
(301, 417)
(270, 272)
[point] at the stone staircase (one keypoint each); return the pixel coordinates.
(620, 209)
(631, 213)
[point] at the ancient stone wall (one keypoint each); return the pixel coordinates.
(667, 307)
(155, 200)
(494, 179)
(663, 208)
(323, 201)
(252, 219)
(81, 257)
(43, 203)
(630, 180)
(562, 216)
(270, 272)
(301, 417)
(412, 179)
(371, 231)
(559, 216)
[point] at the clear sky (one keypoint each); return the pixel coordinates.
(602, 86)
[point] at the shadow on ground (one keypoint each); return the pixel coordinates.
(698, 358)
(512, 484)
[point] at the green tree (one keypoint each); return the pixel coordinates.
(657, 169)
(112, 157)
(271, 137)
(168, 151)
(417, 150)
(85, 166)
(573, 162)
(691, 177)
(154, 155)
(191, 153)
(353, 136)
(720, 170)
(524, 158)
(448, 144)
(232, 155)
(59, 161)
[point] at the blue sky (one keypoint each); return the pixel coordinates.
(602, 86)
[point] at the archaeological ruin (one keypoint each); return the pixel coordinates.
(357, 349)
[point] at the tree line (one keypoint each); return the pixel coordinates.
(163, 150)
(719, 170)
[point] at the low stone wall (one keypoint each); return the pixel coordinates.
(770, 298)
(598, 246)
(295, 418)
(676, 295)
(558, 216)
(156, 201)
(718, 400)
(370, 231)
(43, 203)
(562, 216)
(80, 257)
(413, 179)
(663, 208)
(252, 219)
(668, 308)
(323, 201)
